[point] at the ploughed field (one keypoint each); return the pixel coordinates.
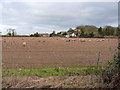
(37, 52)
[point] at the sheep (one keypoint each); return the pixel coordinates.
(24, 44)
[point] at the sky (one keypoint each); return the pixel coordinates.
(44, 17)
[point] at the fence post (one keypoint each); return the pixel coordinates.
(98, 59)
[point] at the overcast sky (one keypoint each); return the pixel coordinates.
(44, 17)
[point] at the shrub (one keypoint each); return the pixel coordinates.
(112, 72)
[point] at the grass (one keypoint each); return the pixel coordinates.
(51, 71)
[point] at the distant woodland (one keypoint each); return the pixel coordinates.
(83, 31)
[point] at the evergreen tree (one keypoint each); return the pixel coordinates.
(100, 32)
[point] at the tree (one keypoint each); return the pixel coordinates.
(118, 32)
(100, 32)
(77, 32)
(109, 30)
(91, 34)
(53, 34)
(36, 34)
(82, 34)
(31, 35)
(65, 33)
(11, 32)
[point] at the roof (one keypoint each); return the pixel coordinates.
(44, 34)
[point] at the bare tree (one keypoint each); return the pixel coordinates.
(11, 32)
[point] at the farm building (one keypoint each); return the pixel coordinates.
(44, 35)
(70, 35)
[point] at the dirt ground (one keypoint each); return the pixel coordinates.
(37, 52)
(52, 82)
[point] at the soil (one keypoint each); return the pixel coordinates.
(37, 52)
(51, 82)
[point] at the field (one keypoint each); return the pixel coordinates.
(56, 52)
(33, 52)
(54, 62)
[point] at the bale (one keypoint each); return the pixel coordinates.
(103, 40)
(83, 40)
(73, 40)
(67, 40)
(24, 44)
(90, 40)
(97, 40)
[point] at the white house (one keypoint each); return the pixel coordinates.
(70, 35)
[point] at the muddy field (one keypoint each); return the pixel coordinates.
(36, 52)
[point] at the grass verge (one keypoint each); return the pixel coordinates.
(52, 71)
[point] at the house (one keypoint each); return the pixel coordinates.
(67, 36)
(73, 35)
(70, 35)
(44, 35)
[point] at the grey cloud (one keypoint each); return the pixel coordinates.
(49, 16)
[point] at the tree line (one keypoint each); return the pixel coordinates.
(80, 31)
(90, 31)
